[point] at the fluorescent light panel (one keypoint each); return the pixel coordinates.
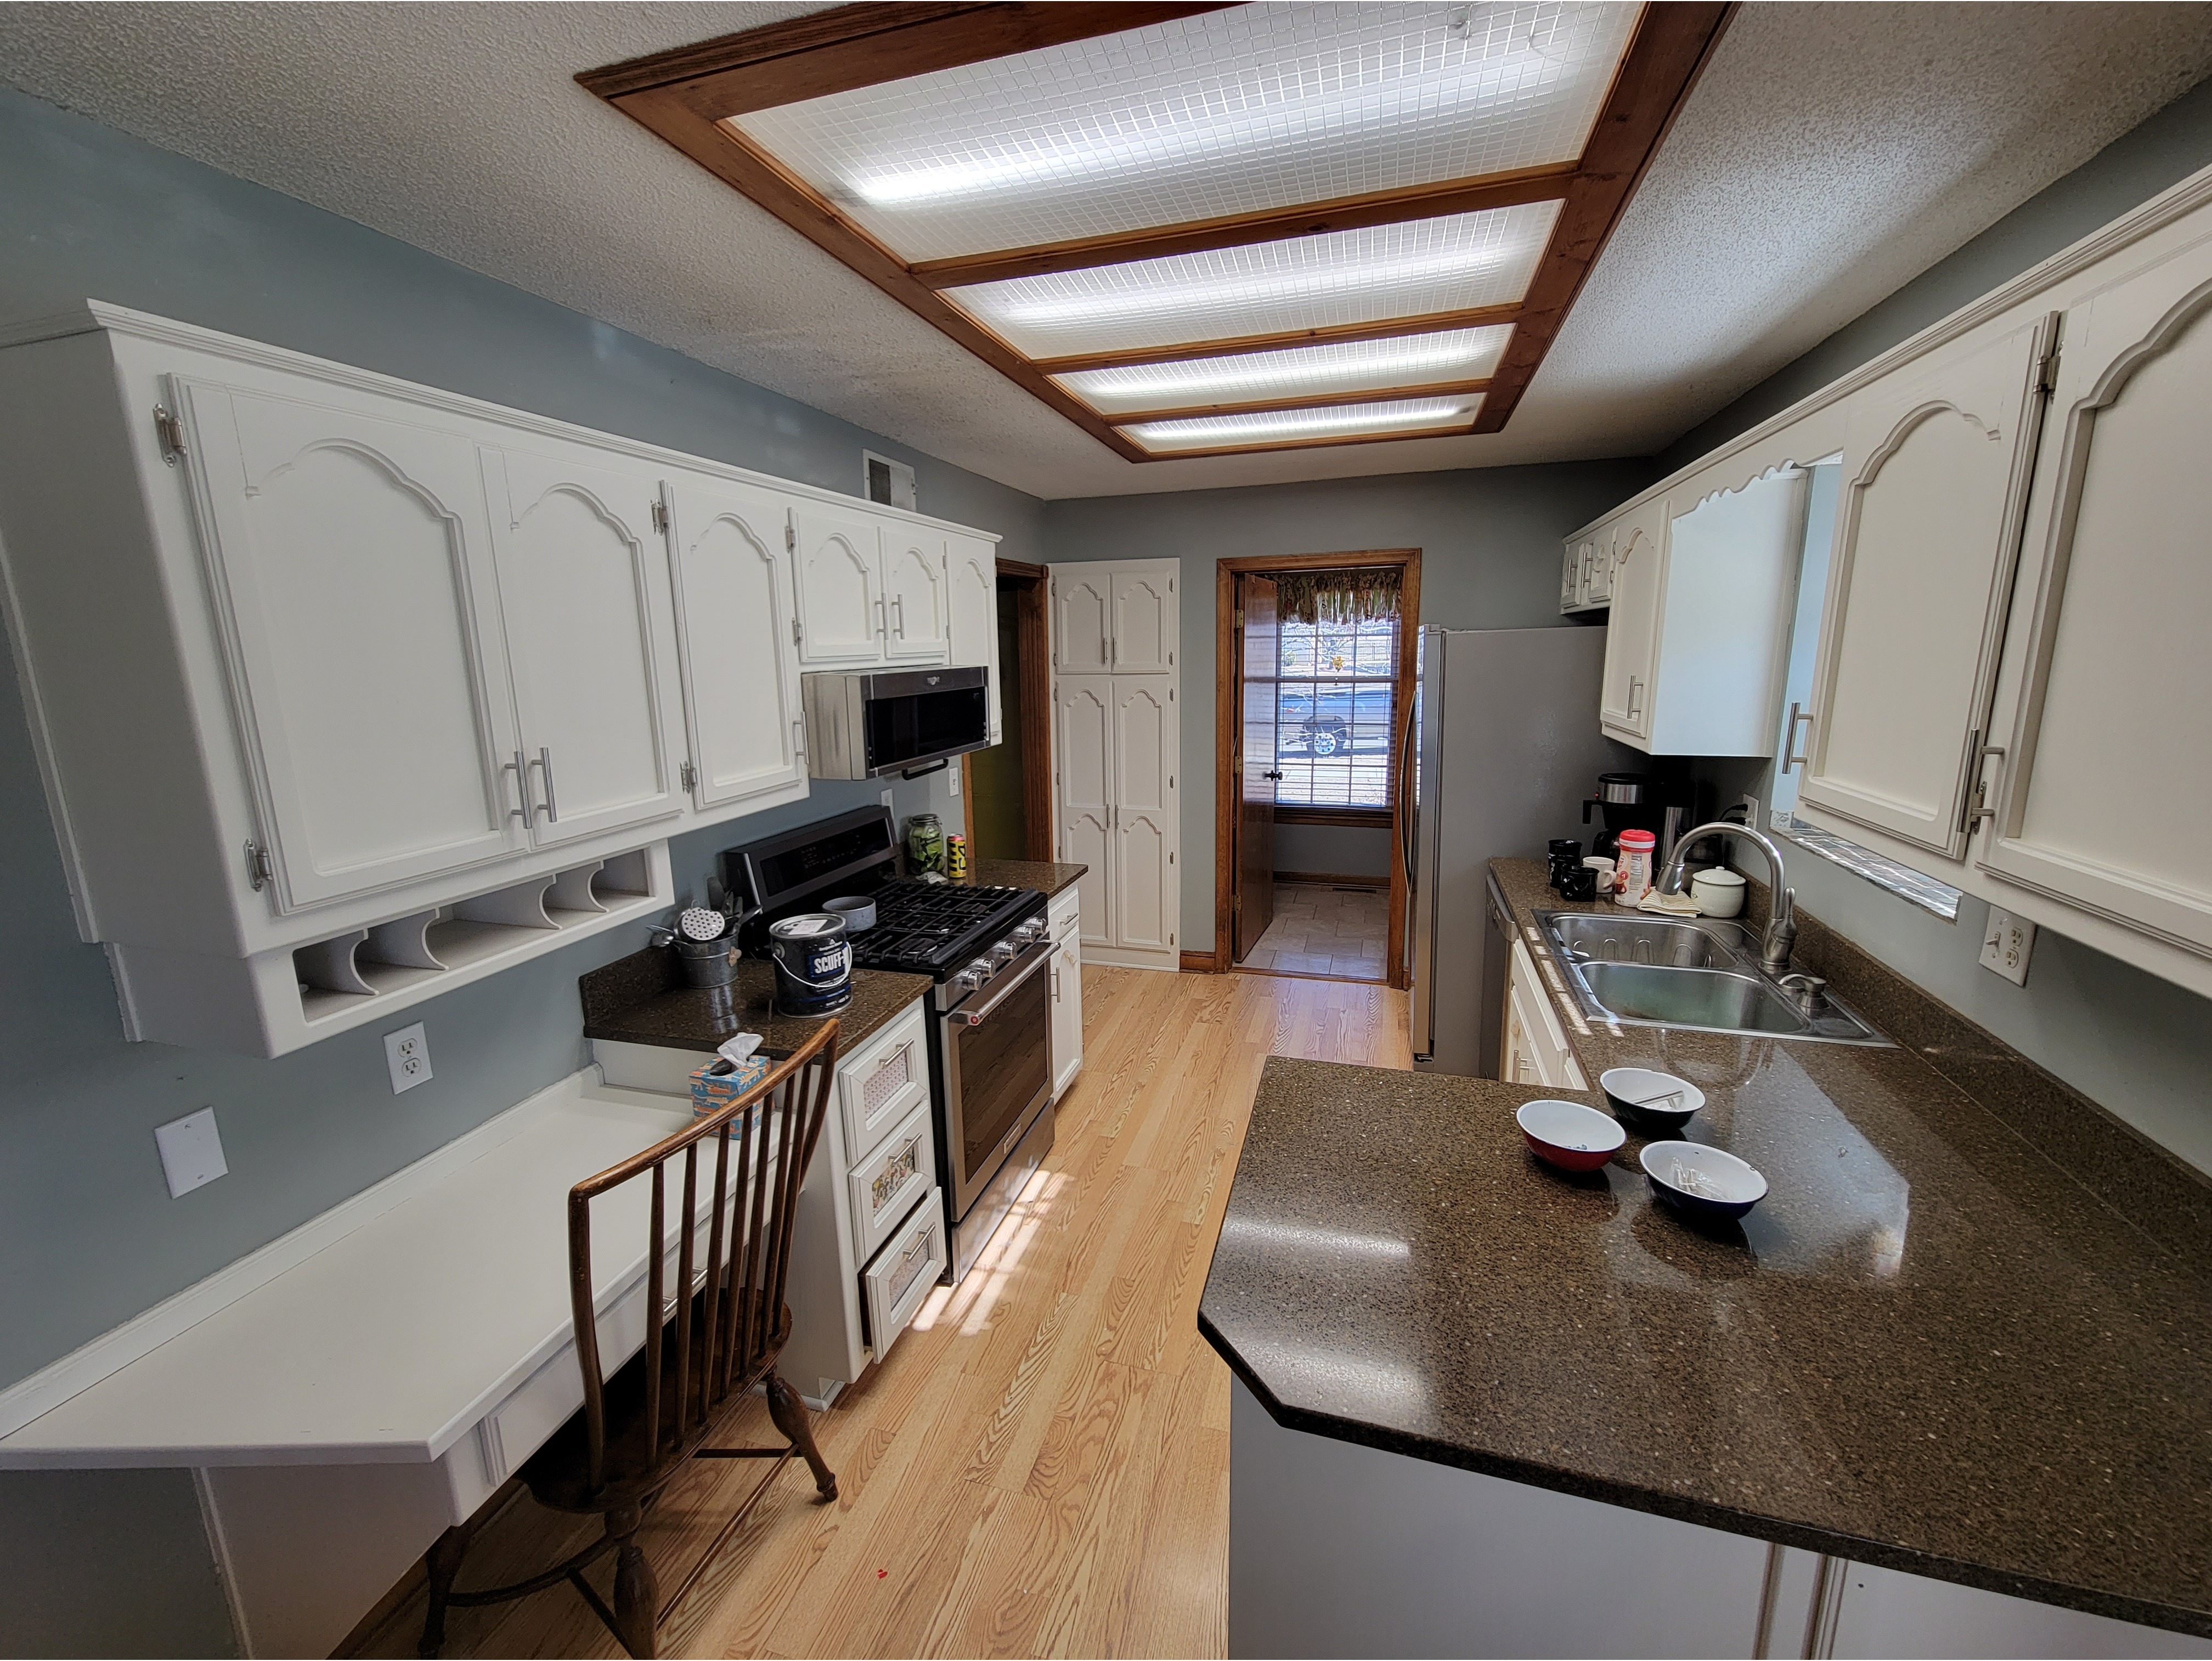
(1294, 425)
(1294, 372)
(1242, 110)
(1457, 262)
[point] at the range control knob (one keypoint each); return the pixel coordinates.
(1003, 953)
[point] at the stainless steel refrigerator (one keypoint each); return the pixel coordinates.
(1508, 748)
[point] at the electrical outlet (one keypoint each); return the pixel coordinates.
(2007, 944)
(191, 1152)
(952, 778)
(1750, 804)
(407, 1053)
(884, 796)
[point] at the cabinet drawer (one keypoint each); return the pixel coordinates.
(882, 1186)
(519, 1425)
(893, 1287)
(883, 1083)
(1066, 915)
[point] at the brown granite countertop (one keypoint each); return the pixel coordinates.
(642, 999)
(1050, 876)
(1966, 1335)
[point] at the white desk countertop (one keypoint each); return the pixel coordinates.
(387, 1344)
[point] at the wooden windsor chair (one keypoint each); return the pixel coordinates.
(715, 1337)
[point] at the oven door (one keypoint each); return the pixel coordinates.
(998, 1072)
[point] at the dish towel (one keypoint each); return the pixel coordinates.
(1668, 904)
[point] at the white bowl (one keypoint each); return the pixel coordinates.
(1718, 892)
(1702, 1181)
(1569, 1135)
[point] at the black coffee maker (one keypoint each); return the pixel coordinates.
(1629, 800)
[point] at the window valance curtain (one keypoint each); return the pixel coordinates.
(1361, 594)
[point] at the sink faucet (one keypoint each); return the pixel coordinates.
(1782, 927)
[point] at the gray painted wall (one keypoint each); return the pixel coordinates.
(1490, 559)
(2138, 1045)
(1339, 850)
(116, 1562)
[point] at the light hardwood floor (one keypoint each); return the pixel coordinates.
(1042, 1465)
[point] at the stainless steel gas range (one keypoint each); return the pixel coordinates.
(987, 951)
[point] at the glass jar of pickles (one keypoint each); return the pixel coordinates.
(925, 844)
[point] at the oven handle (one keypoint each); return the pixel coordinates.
(977, 1017)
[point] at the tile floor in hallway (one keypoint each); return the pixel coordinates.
(1330, 931)
(1041, 1465)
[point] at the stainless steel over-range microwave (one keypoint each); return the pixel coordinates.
(863, 726)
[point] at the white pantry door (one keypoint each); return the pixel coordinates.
(583, 584)
(350, 560)
(839, 587)
(1082, 618)
(1143, 617)
(914, 595)
(733, 619)
(1144, 746)
(1083, 754)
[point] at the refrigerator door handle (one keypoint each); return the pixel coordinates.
(1405, 803)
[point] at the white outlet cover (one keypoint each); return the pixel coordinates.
(407, 1053)
(952, 777)
(191, 1152)
(2007, 943)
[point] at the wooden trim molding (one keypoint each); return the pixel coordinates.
(1334, 879)
(1199, 963)
(688, 96)
(1226, 713)
(1311, 400)
(1343, 818)
(1674, 42)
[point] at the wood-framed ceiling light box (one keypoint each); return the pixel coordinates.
(1205, 230)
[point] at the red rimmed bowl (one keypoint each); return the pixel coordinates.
(1569, 1135)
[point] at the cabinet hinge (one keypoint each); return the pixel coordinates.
(791, 539)
(794, 631)
(660, 517)
(690, 777)
(2047, 373)
(1239, 618)
(257, 867)
(171, 432)
(1171, 939)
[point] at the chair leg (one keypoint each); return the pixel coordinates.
(443, 1563)
(637, 1594)
(797, 1425)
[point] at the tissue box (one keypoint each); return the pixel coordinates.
(721, 1082)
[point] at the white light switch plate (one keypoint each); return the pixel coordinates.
(407, 1053)
(191, 1152)
(2007, 944)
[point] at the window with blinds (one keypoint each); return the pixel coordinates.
(1336, 691)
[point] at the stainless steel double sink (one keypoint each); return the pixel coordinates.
(1697, 974)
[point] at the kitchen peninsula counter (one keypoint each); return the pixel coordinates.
(1933, 1347)
(1052, 877)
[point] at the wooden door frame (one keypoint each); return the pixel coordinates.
(1033, 641)
(1228, 712)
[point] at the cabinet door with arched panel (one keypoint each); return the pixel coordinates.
(348, 557)
(2097, 798)
(914, 597)
(591, 644)
(838, 578)
(1082, 618)
(1638, 544)
(1083, 757)
(1146, 745)
(972, 584)
(746, 726)
(1936, 467)
(1144, 622)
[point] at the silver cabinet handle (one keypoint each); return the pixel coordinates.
(545, 770)
(898, 610)
(1790, 758)
(883, 621)
(521, 769)
(1633, 685)
(799, 739)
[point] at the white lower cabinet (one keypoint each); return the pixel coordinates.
(1534, 1050)
(1066, 972)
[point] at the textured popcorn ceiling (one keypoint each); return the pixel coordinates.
(1830, 154)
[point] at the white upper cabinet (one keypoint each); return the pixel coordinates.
(916, 605)
(583, 589)
(972, 583)
(346, 554)
(734, 599)
(1143, 617)
(1145, 741)
(2104, 795)
(1083, 747)
(1936, 468)
(1637, 545)
(839, 578)
(1082, 618)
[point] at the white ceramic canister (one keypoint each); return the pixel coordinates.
(1718, 892)
(1634, 866)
